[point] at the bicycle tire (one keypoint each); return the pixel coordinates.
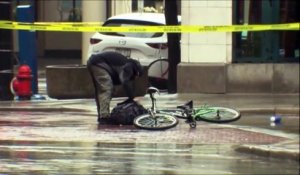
(226, 115)
(158, 72)
(164, 121)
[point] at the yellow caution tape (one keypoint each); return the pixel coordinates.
(51, 23)
(96, 27)
(68, 23)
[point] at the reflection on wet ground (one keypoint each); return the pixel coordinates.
(71, 143)
(132, 158)
(288, 123)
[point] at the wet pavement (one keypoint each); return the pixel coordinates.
(58, 142)
(70, 126)
(62, 137)
(288, 123)
(38, 158)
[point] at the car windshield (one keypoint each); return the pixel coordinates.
(128, 23)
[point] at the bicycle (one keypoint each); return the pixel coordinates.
(168, 118)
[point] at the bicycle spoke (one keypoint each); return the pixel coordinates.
(160, 121)
(147, 121)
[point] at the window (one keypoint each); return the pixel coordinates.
(70, 10)
(267, 46)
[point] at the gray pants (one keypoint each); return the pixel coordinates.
(103, 89)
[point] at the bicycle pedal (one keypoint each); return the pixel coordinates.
(188, 122)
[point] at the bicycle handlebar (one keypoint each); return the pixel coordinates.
(152, 90)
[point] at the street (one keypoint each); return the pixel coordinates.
(71, 142)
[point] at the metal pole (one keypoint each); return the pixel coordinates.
(27, 43)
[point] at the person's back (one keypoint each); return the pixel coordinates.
(115, 64)
(111, 58)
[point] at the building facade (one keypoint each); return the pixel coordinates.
(226, 62)
(211, 62)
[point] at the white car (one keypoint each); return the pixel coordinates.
(145, 47)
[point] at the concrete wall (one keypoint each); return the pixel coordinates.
(238, 78)
(68, 81)
(249, 78)
(285, 78)
(73, 81)
(201, 78)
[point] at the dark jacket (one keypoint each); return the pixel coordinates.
(121, 69)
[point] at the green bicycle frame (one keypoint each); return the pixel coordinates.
(202, 111)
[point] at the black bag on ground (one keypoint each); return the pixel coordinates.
(125, 113)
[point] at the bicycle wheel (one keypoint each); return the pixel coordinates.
(159, 122)
(158, 72)
(217, 115)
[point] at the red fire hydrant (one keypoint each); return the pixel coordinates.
(21, 84)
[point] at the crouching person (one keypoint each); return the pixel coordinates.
(108, 69)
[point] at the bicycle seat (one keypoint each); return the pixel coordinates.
(188, 105)
(152, 90)
(183, 107)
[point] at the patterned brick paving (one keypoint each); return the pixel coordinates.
(203, 134)
(70, 127)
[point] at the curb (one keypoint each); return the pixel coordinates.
(43, 109)
(269, 151)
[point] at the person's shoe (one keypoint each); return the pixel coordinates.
(105, 121)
